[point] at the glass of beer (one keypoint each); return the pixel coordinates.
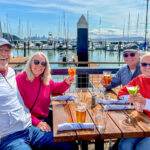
(81, 112)
(107, 77)
(72, 71)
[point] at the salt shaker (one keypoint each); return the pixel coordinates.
(94, 101)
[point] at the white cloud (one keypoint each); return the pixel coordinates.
(114, 13)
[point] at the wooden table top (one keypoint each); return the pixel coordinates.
(64, 112)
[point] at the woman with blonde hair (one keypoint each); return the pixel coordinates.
(141, 102)
(36, 87)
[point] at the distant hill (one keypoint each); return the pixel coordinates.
(131, 39)
(10, 37)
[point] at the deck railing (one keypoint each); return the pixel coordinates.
(85, 76)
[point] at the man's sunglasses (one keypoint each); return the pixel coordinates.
(37, 62)
(145, 64)
(131, 55)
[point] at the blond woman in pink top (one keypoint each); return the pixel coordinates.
(36, 87)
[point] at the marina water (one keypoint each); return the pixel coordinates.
(94, 56)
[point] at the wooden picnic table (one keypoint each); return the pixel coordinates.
(64, 112)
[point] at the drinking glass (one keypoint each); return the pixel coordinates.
(132, 91)
(101, 119)
(72, 71)
(107, 77)
(81, 112)
(78, 95)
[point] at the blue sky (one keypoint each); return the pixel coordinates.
(43, 16)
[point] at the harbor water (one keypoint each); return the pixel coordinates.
(94, 56)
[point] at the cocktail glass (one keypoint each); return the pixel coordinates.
(72, 71)
(132, 91)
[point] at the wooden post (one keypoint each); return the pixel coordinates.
(82, 49)
(24, 48)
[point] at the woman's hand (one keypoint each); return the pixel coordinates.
(44, 126)
(69, 80)
(137, 99)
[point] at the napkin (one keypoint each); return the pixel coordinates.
(113, 101)
(118, 107)
(64, 97)
(74, 126)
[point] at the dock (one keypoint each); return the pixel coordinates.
(13, 61)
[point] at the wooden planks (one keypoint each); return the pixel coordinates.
(118, 118)
(115, 127)
(111, 131)
(141, 120)
(84, 134)
(61, 114)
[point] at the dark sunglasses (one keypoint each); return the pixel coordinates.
(145, 64)
(37, 62)
(131, 55)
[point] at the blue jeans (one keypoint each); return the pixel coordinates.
(135, 144)
(33, 138)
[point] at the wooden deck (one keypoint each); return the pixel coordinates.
(17, 60)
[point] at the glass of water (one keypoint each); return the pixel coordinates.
(101, 119)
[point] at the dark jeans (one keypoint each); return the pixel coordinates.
(34, 138)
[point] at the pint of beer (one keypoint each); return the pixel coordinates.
(81, 112)
(107, 77)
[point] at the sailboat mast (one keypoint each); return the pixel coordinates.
(123, 32)
(137, 26)
(100, 29)
(1, 34)
(146, 22)
(128, 26)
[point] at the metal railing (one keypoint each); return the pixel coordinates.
(85, 76)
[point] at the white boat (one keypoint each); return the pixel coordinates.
(50, 43)
(36, 45)
(64, 57)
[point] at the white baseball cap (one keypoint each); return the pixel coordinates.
(4, 42)
(130, 50)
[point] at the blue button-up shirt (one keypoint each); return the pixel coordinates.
(124, 76)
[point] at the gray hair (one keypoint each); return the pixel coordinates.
(46, 74)
(147, 54)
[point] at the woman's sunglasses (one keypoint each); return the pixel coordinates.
(145, 64)
(131, 55)
(37, 62)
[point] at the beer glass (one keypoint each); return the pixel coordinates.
(81, 112)
(107, 77)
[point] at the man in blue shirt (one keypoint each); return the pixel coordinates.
(126, 73)
(16, 130)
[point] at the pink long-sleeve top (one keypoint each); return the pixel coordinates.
(29, 90)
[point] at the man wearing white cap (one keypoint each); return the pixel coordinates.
(126, 73)
(16, 130)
